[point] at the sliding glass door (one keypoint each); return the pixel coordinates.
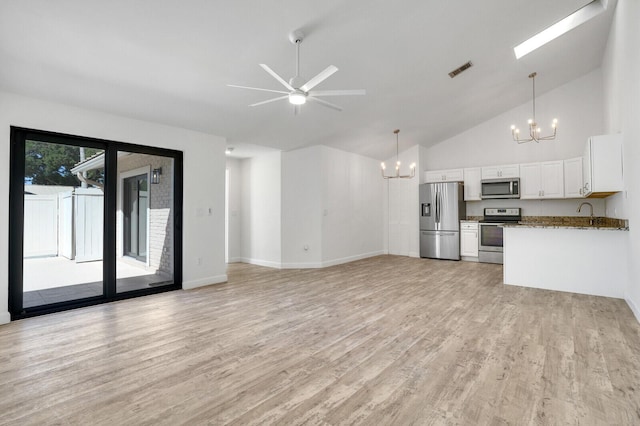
(91, 221)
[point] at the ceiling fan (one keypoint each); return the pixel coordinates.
(298, 93)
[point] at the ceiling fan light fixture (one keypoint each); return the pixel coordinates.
(297, 98)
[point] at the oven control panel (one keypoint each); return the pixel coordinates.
(515, 211)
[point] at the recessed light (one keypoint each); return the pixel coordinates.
(572, 21)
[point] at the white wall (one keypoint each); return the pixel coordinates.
(402, 212)
(235, 185)
(621, 75)
(260, 214)
(204, 159)
(331, 205)
(577, 105)
(302, 191)
(352, 200)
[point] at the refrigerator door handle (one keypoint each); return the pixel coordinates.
(437, 208)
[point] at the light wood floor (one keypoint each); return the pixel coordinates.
(386, 340)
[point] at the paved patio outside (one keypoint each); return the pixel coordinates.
(56, 279)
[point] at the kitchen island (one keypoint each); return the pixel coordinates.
(577, 258)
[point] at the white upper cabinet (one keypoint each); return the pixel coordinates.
(451, 175)
(542, 180)
(602, 166)
(472, 187)
(573, 185)
(496, 172)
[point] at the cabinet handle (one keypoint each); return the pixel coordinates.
(580, 191)
(542, 192)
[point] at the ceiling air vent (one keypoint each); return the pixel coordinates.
(460, 69)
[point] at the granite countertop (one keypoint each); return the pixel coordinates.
(571, 222)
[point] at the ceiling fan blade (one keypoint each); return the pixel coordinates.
(270, 100)
(318, 78)
(324, 103)
(257, 88)
(277, 77)
(337, 92)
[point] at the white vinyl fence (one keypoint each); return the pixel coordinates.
(68, 224)
(40, 225)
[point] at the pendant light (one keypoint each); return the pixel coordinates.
(412, 167)
(534, 130)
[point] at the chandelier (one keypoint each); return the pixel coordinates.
(412, 167)
(534, 130)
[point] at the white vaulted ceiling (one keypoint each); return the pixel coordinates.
(169, 61)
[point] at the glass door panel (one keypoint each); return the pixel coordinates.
(63, 214)
(145, 221)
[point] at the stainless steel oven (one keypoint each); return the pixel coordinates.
(490, 245)
(490, 242)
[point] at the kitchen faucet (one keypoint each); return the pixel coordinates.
(590, 215)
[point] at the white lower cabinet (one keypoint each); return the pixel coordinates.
(469, 239)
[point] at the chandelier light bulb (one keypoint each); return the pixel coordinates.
(513, 127)
(412, 166)
(384, 167)
(530, 121)
(398, 163)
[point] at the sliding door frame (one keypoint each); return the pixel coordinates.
(19, 136)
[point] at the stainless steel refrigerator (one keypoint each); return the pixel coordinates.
(441, 208)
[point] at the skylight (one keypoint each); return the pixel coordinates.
(572, 21)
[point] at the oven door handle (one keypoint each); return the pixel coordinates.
(510, 187)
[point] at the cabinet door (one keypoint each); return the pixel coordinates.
(472, 187)
(469, 243)
(573, 184)
(606, 163)
(586, 169)
(530, 181)
(510, 171)
(453, 175)
(492, 172)
(507, 171)
(433, 176)
(552, 179)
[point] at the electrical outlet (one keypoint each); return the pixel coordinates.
(199, 260)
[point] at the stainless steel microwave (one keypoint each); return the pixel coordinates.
(500, 188)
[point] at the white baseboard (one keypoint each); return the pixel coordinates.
(188, 285)
(414, 254)
(633, 307)
(267, 263)
(234, 260)
(302, 265)
(353, 258)
(5, 318)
